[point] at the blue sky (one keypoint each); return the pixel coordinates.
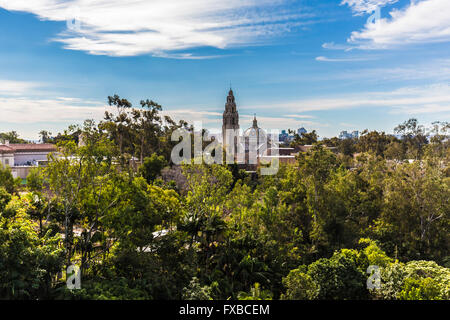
(317, 64)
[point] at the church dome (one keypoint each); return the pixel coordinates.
(254, 130)
(254, 136)
(254, 133)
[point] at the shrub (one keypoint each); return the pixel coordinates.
(339, 278)
(27, 263)
(420, 289)
(300, 286)
(195, 291)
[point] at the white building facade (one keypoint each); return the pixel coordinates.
(22, 157)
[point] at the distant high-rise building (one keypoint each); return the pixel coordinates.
(343, 135)
(283, 136)
(347, 135)
(301, 131)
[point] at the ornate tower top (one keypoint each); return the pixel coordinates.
(230, 115)
(255, 122)
(230, 127)
(230, 106)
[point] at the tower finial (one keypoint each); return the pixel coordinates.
(255, 122)
(231, 90)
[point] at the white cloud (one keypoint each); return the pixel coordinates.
(360, 7)
(186, 56)
(210, 119)
(213, 120)
(408, 100)
(420, 22)
(334, 46)
(300, 116)
(23, 111)
(274, 123)
(432, 71)
(325, 59)
(13, 88)
(68, 110)
(128, 28)
(436, 70)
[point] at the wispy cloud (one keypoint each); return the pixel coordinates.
(208, 118)
(22, 110)
(213, 120)
(423, 21)
(360, 7)
(335, 46)
(326, 59)
(435, 70)
(281, 122)
(432, 71)
(128, 28)
(13, 88)
(23, 113)
(407, 100)
(300, 116)
(186, 56)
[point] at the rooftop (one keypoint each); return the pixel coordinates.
(32, 147)
(6, 149)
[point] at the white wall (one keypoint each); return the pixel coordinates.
(23, 158)
(7, 160)
(21, 172)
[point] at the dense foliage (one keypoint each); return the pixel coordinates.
(213, 232)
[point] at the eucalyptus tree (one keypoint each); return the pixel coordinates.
(415, 215)
(83, 179)
(147, 126)
(414, 136)
(118, 125)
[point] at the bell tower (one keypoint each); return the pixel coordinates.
(230, 127)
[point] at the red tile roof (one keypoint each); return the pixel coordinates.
(6, 149)
(305, 148)
(45, 147)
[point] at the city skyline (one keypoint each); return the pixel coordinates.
(328, 67)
